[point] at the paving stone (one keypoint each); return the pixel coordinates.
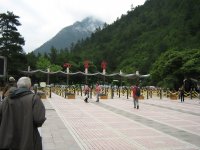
(115, 124)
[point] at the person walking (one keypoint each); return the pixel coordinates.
(181, 93)
(86, 91)
(10, 86)
(98, 91)
(21, 113)
(136, 95)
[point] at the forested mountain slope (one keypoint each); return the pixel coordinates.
(136, 40)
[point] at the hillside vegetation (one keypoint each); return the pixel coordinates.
(137, 40)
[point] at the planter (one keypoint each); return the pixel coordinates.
(42, 94)
(173, 97)
(141, 97)
(71, 96)
(104, 97)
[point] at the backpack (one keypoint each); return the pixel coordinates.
(137, 91)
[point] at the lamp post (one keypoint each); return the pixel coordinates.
(86, 65)
(67, 66)
(138, 76)
(103, 66)
(29, 69)
(120, 72)
(48, 70)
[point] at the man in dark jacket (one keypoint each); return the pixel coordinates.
(21, 113)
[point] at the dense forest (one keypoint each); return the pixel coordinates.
(161, 37)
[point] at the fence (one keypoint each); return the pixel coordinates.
(114, 92)
(119, 92)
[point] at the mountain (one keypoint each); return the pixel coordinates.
(71, 34)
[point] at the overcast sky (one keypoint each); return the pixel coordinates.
(43, 19)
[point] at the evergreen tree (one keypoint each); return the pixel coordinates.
(53, 55)
(11, 42)
(31, 60)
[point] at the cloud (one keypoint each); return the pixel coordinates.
(42, 19)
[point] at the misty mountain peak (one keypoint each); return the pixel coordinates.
(71, 34)
(88, 24)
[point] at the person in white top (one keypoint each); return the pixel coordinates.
(86, 91)
(98, 91)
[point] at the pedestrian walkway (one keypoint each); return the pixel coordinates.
(55, 135)
(115, 124)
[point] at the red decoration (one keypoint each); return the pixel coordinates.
(103, 64)
(67, 65)
(86, 64)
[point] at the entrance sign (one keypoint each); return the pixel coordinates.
(43, 84)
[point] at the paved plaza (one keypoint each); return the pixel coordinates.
(114, 124)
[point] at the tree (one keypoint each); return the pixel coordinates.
(53, 55)
(11, 42)
(31, 60)
(43, 63)
(173, 66)
(55, 68)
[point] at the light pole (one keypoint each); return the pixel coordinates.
(86, 65)
(103, 66)
(48, 70)
(67, 66)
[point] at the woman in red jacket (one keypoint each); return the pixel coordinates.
(136, 95)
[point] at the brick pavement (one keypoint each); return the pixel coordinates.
(55, 135)
(115, 124)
